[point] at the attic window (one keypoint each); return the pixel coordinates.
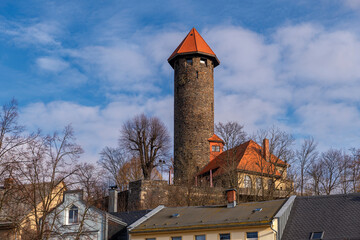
(203, 61)
(225, 236)
(252, 235)
(317, 235)
(200, 237)
(73, 217)
(189, 61)
(215, 148)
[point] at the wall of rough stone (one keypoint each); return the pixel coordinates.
(148, 194)
(193, 112)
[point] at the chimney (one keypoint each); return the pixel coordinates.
(231, 198)
(113, 199)
(266, 150)
(8, 183)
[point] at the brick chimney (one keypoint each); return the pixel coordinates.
(113, 199)
(266, 150)
(8, 183)
(231, 198)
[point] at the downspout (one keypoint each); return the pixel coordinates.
(276, 233)
(106, 227)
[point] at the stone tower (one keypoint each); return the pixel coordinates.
(193, 62)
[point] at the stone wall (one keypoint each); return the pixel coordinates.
(148, 194)
(193, 112)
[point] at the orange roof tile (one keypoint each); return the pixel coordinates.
(215, 138)
(248, 157)
(193, 43)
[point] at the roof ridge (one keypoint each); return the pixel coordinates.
(195, 38)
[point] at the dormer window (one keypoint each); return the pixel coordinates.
(317, 235)
(215, 148)
(203, 61)
(73, 215)
(189, 61)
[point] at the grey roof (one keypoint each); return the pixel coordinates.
(131, 216)
(204, 217)
(337, 215)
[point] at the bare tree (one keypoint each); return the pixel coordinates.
(305, 156)
(90, 179)
(354, 169)
(330, 162)
(232, 133)
(345, 173)
(113, 160)
(146, 138)
(315, 172)
(44, 165)
(274, 169)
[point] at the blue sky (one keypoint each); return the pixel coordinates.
(94, 64)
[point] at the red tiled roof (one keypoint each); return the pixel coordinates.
(215, 138)
(193, 43)
(248, 157)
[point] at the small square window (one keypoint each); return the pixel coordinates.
(215, 148)
(252, 235)
(317, 235)
(203, 61)
(189, 61)
(175, 238)
(200, 237)
(225, 236)
(150, 238)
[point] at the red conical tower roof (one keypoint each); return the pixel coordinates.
(193, 43)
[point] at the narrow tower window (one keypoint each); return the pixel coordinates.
(203, 61)
(189, 61)
(197, 74)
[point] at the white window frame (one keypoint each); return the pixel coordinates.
(67, 215)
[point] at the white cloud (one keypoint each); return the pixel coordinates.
(246, 60)
(94, 127)
(355, 4)
(41, 33)
(52, 64)
(121, 66)
(332, 124)
(310, 53)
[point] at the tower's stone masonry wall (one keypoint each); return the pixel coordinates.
(193, 111)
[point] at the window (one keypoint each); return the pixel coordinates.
(216, 148)
(150, 238)
(189, 61)
(200, 237)
(225, 236)
(175, 238)
(203, 61)
(270, 184)
(252, 235)
(259, 183)
(317, 235)
(247, 181)
(73, 215)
